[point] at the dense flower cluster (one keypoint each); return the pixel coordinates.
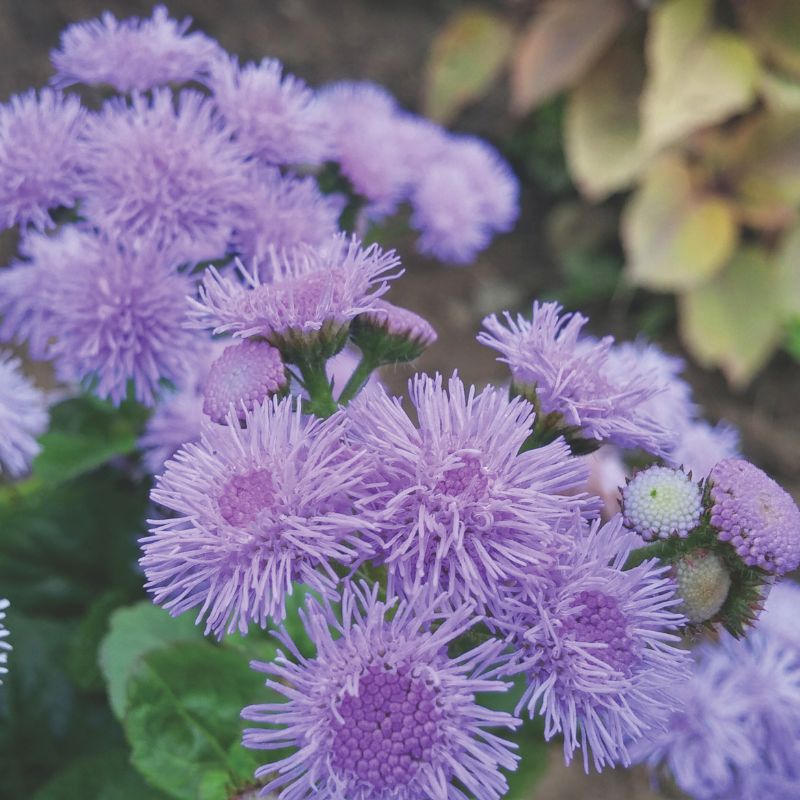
(205, 252)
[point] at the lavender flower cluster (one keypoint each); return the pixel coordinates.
(451, 542)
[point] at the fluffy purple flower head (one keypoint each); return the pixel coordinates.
(30, 288)
(23, 417)
(759, 519)
(164, 169)
(459, 508)
(243, 376)
(279, 212)
(574, 376)
(4, 645)
(596, 645)
(120, 318)
(464, 195)
(40, 158)
(382, 712)
(298, 293)
(132, 54)
(253, 510)
(779, 617)
(273, 116)
(700, 446)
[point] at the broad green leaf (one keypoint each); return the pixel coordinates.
(674, 238)
(182, 719)
(63, 546)
(697, 75)
(100, 776)
(85, 433)
(792, 342)
(788, 261)
(781, 94)
(774, 26)
(559, 45)
(602, 136)
(466, 58)
(134, 632)
(734, 321)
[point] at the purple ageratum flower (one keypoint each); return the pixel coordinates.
(4, 645)
(132, 54)
(759, 519)
(119, 319)
(243, 376)
(273, 116)
(164, 169)
(297, 293)
(575, 377)
(701, 446)
(279, 212)
(30, 288)
(253, 510)
(596, 644)
(40, 159)
(459, 508)
(23, 417)
(463, 196)
(779, 617)
(382, 711)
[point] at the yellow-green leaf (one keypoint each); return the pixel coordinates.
(697, 75)
(602, 137)
(675, 237)
(733, 322)
(774, 25)
(467, 56)
(788, 261)
(781, 94)
(560, 43)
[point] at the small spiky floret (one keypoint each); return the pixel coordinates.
(273, 116)
(465, 194)
(736, 730)
(164, 168)
(253, 510)
(30, 288)
(597, 645)
(703, 584)
(303, 293)
(572, 376)
(40, 158)
(279, 212)
(120, 319)
(133, 53)
(660, 502)
(756, 516)
(23, 417)
(701, 446)
(381, 712)
(459, 507)
(4, 645)
(241, 378)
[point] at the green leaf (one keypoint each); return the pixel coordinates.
(102, 776)
(774, 26)
(182, 719)
(734, 321)
(84, 434)
(467, 56)
(134, 632)
(603, 142)
(792, 342)
(675, 237)
(560, 44)
(697, 75)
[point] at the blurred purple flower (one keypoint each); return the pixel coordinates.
(132, 54)
(23, 418)
(701, 446)
(459, 508)
(382, 711)
(164, 169)
(274, 116)
(40, 159)
(253, 510)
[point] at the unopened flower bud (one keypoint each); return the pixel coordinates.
(389, 333)
(703, 584)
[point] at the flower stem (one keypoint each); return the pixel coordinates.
(316, 383)
(360, 376)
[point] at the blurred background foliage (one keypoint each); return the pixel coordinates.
(670, 128)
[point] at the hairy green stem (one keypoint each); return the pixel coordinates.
(360, 376)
